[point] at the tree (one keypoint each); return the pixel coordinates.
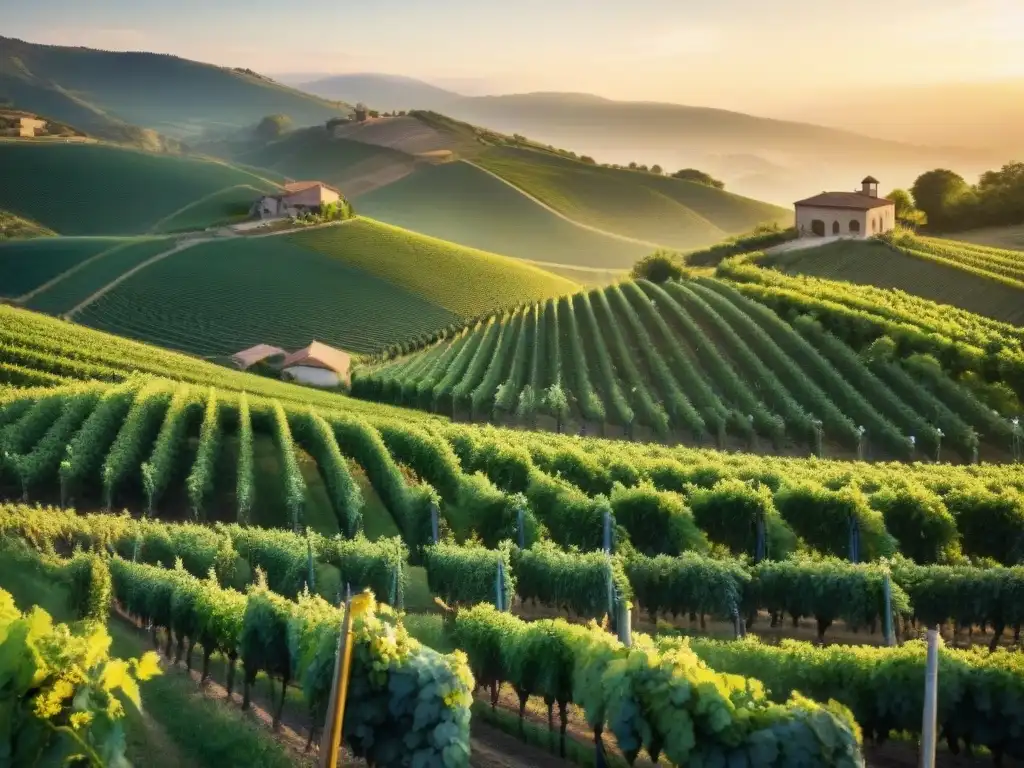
(692, 174)
(937, 193)
(273, 126)
(906, 212)
(632, 166)
(656, 169)
(587, 159)
(658, 267)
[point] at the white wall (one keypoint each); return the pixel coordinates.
(317, 377)
(883, 220)
(805, 215)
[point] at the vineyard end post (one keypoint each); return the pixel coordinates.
(887, 589)
(931, 701)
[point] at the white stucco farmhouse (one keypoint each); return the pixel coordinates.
(846, 214)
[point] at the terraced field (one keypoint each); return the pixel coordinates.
(678, 214)
(697, 360)
(27, 264)
(68, 289)
(990, 284)
(464, 281)
(219, 297)
(352, 166)
(465, 205)
(55, 185)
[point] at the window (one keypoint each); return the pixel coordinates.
(818, 227)
(855, 226)
(835, 227)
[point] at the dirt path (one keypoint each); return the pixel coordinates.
(624, 238)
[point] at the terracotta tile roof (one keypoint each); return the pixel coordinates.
(318, 355)
(249, 357)
(301, 186)
(852, 200)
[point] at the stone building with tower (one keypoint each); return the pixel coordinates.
(858, 214)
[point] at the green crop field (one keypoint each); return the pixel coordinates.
(219, 297)
(57, 186)
(87, 277)
(362, 285)
(959, 275)
(314, 154)
(465, 281)
(221, 207)
(675, 213)
(694, 359)
(12, 226)
(27, 264)
(780, 527)
(462, 204)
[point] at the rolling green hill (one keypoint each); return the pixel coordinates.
(12, 226)
(464, 204)
(101, 91)
(987, 282)
(100, 189)
(679, 214)
(352, 166)
(360, 285)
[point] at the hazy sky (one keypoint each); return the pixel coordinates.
(730, 53)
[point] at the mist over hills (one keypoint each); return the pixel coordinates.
(768, 158)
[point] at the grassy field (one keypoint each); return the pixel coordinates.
(16, 226)
(465, 281)
(1005, 238)
(218, 297)
(98, 189)
(314, 154)
(465, 205)
(226, 205)
(946, 279)
(678, 214)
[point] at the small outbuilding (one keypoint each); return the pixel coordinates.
(318, 365)
(846, 214)
(261, 353)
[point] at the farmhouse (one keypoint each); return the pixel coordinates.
(847, 214)
(298, 197)
(318, 365)
(29, 126)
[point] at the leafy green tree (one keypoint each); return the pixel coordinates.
(692, 174)
(906, 211)
(937, 192)
(273, 126)
(658, 267)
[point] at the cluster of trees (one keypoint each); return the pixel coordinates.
(272, 127)
(950, 203)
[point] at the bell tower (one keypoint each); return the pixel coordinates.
(869, 187)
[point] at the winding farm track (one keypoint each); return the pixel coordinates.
(26, 297)
(559, 214)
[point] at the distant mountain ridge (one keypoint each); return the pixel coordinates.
(806, 157)
(100, 91)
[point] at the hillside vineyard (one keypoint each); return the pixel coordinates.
(697, 360)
